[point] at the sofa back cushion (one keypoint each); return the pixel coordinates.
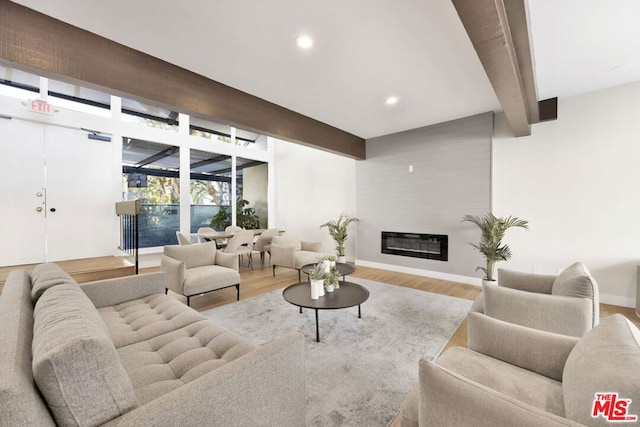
(75, 363)
(576, 281)
(20, 401)
(45, 276)
(605, 360)
(287, 241)
(193, 255)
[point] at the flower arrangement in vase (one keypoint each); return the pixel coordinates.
(331, 280)
(316, 280)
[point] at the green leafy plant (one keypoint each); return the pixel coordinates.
(332, 278)
(338, 231)
(316, 273)
(492, 229)
(222, 219)
(246, 217)
(331, 258)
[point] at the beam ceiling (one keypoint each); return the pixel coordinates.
(43, 45)
(498, 30)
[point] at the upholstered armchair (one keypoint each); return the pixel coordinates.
(291, 252)
(511, 375)
(566, 304)
(191, 270)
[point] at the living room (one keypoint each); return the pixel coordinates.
(570, 178)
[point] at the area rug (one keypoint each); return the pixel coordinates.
(362, 369)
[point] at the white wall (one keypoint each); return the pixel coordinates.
(311, 188)
(577, 181)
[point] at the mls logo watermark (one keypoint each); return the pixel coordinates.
(612, 408)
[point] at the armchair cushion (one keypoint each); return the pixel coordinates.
(286, 241)
(199, 279)
(311, 246)
(576, 281)
(193, 255)
(605, 360)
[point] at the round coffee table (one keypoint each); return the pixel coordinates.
(348, 295)
(343, 268)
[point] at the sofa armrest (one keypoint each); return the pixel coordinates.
(174, 273)
(449, 399)
(283, 255)
(263, 388)
(553, 313)
(107, 292)
(530, 282)
(542, 352)
(224, 259)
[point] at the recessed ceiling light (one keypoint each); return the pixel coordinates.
(392, 100)
(304, 41)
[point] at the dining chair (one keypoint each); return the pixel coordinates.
(263, 243)
(183, 239)
(241, 244)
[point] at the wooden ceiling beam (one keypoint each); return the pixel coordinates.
(487, 23)
(37, 43)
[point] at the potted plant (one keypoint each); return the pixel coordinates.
(492, 229)
(338, 231)
(331, 281)
(332, 260)
(316, 280)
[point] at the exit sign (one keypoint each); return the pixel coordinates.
(39, 106)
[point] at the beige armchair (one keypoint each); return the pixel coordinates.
(512, 375)
(291, 252)
(191, 270)
(566, 304)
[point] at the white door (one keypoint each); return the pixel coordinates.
(80, 210)
(22, 191)
(56, 187)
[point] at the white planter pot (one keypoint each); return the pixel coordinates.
(489, 282)
(330, 288)
(317, 288)
(342, 259)
(326, 267)
(332, 264)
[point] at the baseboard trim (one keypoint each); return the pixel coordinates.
(424, 273)
(617, 300)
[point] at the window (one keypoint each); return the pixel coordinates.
(210, 190)
(151, 174)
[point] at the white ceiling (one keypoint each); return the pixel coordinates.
(365, 51)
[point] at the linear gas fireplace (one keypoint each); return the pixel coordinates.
(429, 246)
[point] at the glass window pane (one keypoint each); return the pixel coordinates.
(252, 202)
(210, 130)
(151, 174)
(149, 115)
(210, 190)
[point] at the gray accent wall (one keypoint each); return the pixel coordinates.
(451, 177)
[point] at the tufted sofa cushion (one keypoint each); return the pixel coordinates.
(140, 319)
(166, 362)
(75, 364)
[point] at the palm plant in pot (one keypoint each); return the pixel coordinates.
(338, 232)
(492, 229)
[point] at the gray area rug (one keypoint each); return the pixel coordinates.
(361, 371)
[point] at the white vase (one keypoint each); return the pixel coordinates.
(317, 288)
(332, 264)
(326, 267)
(330, 288)
(489, 282)
(342, 259)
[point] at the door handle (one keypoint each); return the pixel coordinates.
(52, 209)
